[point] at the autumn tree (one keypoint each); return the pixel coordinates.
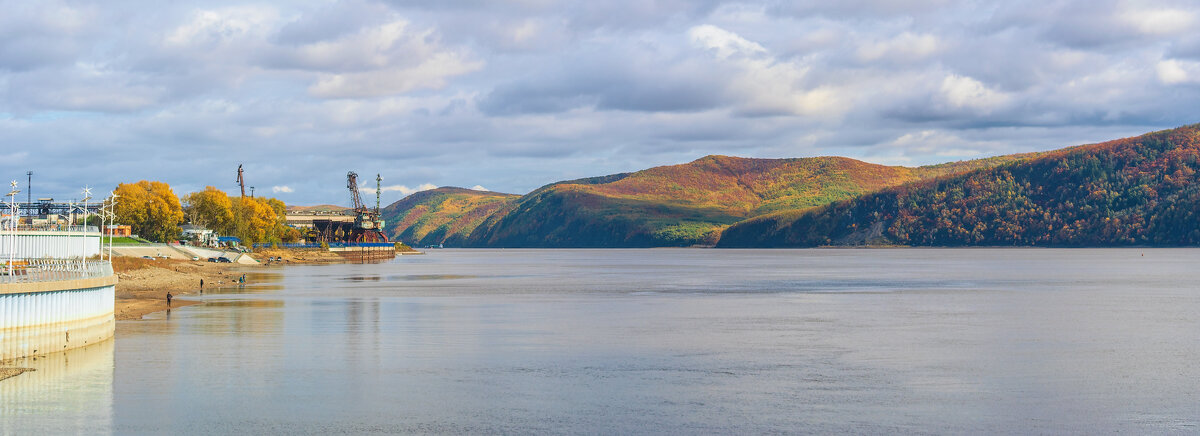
(262, 220)
(210, 208)
(150, 208)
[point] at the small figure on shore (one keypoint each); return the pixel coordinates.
(168, 298)
(201, 286)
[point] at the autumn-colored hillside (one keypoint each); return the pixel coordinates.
(1133, 191)
(443, 215)
(688, 204)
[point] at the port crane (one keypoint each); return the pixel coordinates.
(368, 227)
(241, 181)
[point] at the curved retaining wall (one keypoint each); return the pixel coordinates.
(45, 317)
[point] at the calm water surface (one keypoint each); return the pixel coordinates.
(655, 341)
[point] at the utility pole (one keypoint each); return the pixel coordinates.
(251, 192)
(29, 188)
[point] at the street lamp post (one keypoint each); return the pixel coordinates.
(11, 232)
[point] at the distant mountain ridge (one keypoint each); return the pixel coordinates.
(675, 205)
(1133, 191)
(445, 215)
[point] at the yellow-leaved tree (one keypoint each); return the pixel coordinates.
(210, 208)
(262, 220)
(150, 208)
(252, 220)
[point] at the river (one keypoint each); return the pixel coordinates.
(691, 341)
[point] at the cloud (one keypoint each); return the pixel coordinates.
(284, 189)
(966, 93)
(764, 84)
(514, 95)
(479, 188)
(405, 190)
(1174, 72)
(430, 74)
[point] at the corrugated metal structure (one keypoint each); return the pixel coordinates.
(51, 299)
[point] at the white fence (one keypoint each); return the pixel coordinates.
(63, 244)
(45, 270)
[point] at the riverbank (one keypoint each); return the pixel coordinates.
(11, 372)
(142, 284)
(316, 255)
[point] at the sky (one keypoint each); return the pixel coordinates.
(509, 96)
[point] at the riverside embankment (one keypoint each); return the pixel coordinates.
(143, 283)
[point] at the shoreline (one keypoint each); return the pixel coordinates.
(142, 284)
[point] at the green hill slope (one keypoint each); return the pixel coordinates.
(1133, 191)
(443, 215)
(688, 204)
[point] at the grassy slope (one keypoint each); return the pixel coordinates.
(1133, 191)
(688, 204)
(442, 215)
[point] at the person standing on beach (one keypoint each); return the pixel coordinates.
(168, 298)
(201, 286)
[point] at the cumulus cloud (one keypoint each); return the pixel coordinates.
(283, 189)
(479, 188)
(405, 190)
(1174, 71)
(967, 93)
(518, 94)
(764, 84)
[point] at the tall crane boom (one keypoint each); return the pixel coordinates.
(241, 181)
(352, 183)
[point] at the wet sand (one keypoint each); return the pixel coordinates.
(142, 284)
(12, 372)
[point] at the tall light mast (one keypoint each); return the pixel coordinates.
(11, 231)
(378, 186)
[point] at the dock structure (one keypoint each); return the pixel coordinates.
(51, 305)
(54, 293)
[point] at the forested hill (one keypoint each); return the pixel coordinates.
(443, 215)
(687, 204)
(1133, 191)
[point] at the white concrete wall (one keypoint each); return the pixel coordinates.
(57, 245)
(33, 323)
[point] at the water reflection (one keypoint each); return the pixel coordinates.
(67, 392)
(680, 341)
(408, 277)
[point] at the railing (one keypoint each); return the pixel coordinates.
(49, 270)
(53, 227)
(331, 245)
